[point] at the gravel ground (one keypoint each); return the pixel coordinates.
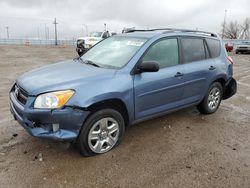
(182, 149)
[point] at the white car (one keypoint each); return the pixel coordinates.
(84, 43)
(243, 48)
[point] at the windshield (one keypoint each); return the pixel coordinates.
(113, 52)
(95, 34)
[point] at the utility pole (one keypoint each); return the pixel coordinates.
(224, 24)
(7, 30)
(38, 33)
(105, 27)
(45, 32)
(55, 31)
(48, 32)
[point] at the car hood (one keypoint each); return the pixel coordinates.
(63, 75)
(94, 38)
(87, 39)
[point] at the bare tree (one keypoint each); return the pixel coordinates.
(245, 34)
(232, 30)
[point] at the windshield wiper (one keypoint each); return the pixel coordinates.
(77, 58)
(88, 62)
(91, 63)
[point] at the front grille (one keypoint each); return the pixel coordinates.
(20, 94)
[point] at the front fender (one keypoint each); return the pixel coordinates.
(126, 97)
(106, 96)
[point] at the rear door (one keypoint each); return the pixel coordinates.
(198, 68)
(156, 92)
(214, 47)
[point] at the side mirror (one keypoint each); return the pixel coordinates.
(81, 51)
(149, 66)
(80, 47)
(105, 35)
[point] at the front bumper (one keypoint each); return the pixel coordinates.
(39, 122)
(243, 50)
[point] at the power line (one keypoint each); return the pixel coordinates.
(55, 31)
(24, 18)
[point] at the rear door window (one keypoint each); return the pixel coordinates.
(193, 49)
(214, 47)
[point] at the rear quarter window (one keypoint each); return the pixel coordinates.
(214, 47)
(193, 49)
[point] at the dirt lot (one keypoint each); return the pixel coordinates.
(182, 149)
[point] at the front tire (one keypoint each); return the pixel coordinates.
(212, 100)
(101, 132)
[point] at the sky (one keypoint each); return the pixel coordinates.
(34, 18)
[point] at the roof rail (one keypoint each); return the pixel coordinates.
(167, 30)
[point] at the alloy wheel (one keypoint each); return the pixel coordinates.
(214, 98)
(103, 135)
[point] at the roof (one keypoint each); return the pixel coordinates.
(152, 32)
(142, 34)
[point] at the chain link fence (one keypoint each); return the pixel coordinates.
(72, 42)
(28, 42)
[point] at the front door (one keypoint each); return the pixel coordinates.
(156, 92)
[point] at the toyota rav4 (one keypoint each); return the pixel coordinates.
(123, 80)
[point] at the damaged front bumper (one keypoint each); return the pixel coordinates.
(57, 124)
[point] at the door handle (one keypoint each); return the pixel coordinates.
(212, 67)
(178, 74)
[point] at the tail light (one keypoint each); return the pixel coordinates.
(230, 60)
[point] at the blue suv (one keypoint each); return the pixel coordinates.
(123, 80)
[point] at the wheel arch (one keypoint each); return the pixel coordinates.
(223, 82)
(114, 103)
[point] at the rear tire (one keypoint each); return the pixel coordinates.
(212, 100)
(101, 132)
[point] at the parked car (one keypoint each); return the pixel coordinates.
(122, 80)
(84, 43)
(243, 48)
(229, 47)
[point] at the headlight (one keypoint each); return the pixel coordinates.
(53, 99)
